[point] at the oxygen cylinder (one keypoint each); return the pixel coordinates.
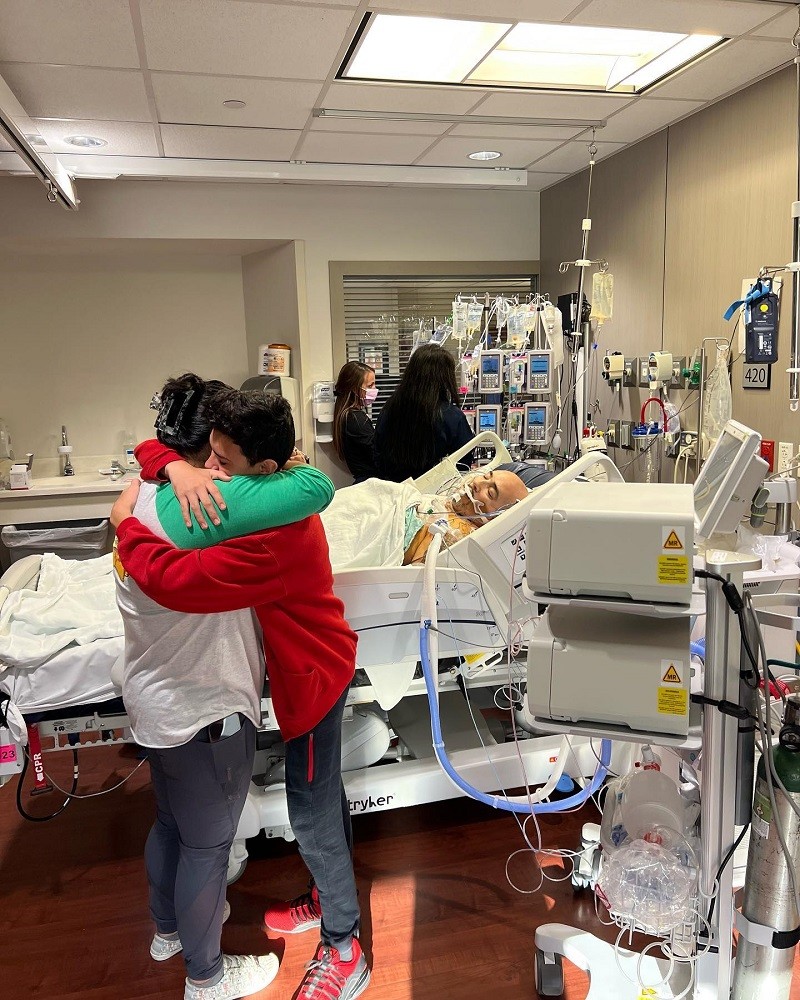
(764, 972)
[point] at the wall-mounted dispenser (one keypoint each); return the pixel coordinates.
(322, 403)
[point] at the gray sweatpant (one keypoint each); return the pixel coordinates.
(200, 790)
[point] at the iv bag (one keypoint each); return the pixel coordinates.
(459, 319)
(474, 316)
(602, 296)
(555, 332)
(717, 404)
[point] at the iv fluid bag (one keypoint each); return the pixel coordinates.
(602, 296)
(555, 332)
(717, 404)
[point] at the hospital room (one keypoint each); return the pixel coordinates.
(399, 521)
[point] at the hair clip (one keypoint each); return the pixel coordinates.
(155, 402)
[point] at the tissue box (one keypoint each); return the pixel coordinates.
(20, 477)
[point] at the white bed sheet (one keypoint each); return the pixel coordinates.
(78, 675)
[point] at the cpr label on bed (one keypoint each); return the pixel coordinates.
(673, 569)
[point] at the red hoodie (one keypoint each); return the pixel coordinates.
(284, 574)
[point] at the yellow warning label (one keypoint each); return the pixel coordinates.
(672, 676)
(673, 569)
(673, 701)
(647, 992)
(673, 542)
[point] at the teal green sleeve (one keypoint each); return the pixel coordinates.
(254, 503)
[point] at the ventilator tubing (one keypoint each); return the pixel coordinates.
(496, 801)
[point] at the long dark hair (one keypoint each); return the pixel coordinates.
(182, 423)
(348, 397)
(414, 409)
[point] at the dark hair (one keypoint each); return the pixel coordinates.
(259, 423)
(348, 397)
(182, 423)
(414, 409)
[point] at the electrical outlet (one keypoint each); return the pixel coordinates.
(644, 373)
(688, 439)
(630, 378)
(612, 432)
(785, 455)
(625, 428)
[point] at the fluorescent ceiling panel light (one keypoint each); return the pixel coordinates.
(525, 56)
(422, 116)
(433, 49)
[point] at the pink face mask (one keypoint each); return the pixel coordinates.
(370, 395)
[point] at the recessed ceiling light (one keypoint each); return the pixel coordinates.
(485, 154)
(36, 140)
(234, 105)
(85, 141)
(570, 57)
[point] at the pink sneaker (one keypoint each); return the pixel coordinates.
(329, 978)
(298, 915)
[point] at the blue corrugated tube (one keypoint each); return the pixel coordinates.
(496, 801)
(698, 648)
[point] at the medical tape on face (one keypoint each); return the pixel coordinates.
(466, 491)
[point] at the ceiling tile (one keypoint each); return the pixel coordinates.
(516, 131)
(574, 156)
(644, 117)
(197, 100)
(78, 92)
(122, 138)
(730, 68)
(228, 143)
(429, 100)
(313, 3)
(516, 152)
(538, 181)
(77, 32)
(783, 26)
(594, 106)
(327, 147)
(243, 38)
(370, 127)
(5, 147)
(518, 10)
(715, 17)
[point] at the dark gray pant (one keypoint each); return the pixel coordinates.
(320, 819)
(200, 790)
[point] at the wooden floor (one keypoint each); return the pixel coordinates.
(440, 921)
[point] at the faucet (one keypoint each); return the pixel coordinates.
(65, 449)
(116, 472)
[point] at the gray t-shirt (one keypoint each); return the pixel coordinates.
(184, 671)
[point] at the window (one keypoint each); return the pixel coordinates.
(382, 315)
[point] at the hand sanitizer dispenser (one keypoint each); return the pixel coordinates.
(322, 403)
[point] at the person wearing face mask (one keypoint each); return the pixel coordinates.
(353, 432)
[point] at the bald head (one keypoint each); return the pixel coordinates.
(492, 491)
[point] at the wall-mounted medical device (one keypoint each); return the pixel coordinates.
(537, 418)
(470, 418)
(540, 371)
(614, 367)
(280, 385)
(490, 372)
(489, 418)
(322, 404)
(515, 424)
(633, 541)
(659, 366)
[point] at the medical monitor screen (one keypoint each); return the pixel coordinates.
(490, 366)
(488, 422)
(535, 417)
(727, 481)
(540, 364)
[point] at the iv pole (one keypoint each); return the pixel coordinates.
(794, 361)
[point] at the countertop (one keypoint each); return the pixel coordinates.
(65, 486)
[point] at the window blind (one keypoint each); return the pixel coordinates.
(382, 316)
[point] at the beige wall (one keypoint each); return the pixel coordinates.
(87, 338)
(327, 223)
(683, 217)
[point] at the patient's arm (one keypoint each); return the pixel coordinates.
(195, 488)
(240, 573)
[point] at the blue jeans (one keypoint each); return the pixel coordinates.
(320, 819)
(200, 790)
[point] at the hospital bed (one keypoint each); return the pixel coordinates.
(74, 697)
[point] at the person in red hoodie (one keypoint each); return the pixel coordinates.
(285, 575)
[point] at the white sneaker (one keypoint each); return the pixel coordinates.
(162, 948)
(242, 975)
